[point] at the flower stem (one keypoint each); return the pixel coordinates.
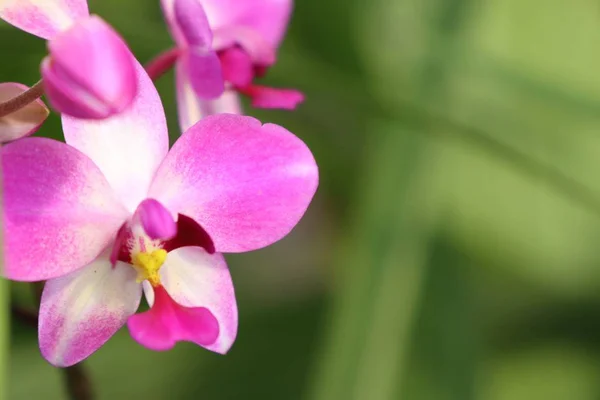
(78, 383)
(4, 335)
(20, 101)
(24, 315)
(77, 380)
(158, 66)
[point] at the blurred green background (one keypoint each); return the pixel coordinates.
(451, 252)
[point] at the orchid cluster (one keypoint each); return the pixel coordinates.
(112, 214)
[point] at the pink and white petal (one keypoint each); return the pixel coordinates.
(23, 122)
(43, 18)
(193, 35)
(191, 108)
(267, 17)
(191, 20)
(59, 211)
(194, 278)
(81, 311)
(168, 9)
(245, 183)
(127, 147)
(167, 323)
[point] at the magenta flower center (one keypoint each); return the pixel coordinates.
(147, 255)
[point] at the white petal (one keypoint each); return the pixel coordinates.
(81, 311)
(128, 147)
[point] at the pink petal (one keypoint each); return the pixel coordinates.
(156, 220)
(191, 109)
(190, 19)
(127, 147)
(237, 66)
(23, 122)
(90, 72)
(168, 8)
(267, 17)
(206, 76)
(59, 211)
(267, 97)
(81, 311)
(190, 29)
(195, 278)
(167, 323)
(247, 184)
(43, 18)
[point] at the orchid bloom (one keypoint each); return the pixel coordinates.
(24, 121)
(231, 40)
(90, 72)
(114, 213)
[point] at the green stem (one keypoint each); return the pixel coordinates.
(4, 337)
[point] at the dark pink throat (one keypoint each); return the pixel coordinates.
(189, 233)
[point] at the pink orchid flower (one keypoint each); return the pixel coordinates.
(114, 212)
(23, 122)
(226, 40)
(90, 72)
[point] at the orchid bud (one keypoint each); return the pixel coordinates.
(24, 121)
(90, 72)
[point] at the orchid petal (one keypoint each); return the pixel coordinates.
(59, 211)
(194, 278)
(206, 76)
(247, 184)
(81, 311)
(189, 28)
(237, 67)
(167, 322)
(191, 21)
(191, 109)
(43, 18)
(269, 18)
(24, 121)
(127, 147)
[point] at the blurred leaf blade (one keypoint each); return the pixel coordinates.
(381, 267)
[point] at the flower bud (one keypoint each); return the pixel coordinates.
(90, 73)
(26, 120)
